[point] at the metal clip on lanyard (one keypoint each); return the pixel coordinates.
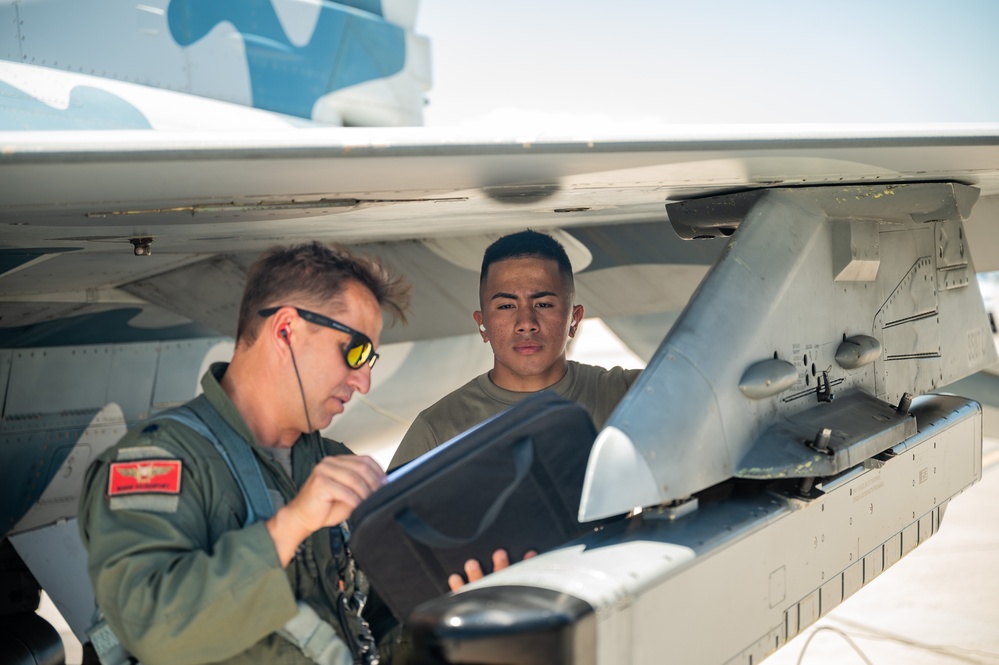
(352, 601)
(365, 638)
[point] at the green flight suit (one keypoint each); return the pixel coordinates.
(178, 577)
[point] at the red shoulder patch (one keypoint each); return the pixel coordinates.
(150, 476)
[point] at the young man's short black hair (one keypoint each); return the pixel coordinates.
(528, 244)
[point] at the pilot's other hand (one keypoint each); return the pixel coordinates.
(473, 571)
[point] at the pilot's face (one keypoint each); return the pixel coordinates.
(328, 381)
(527, 312)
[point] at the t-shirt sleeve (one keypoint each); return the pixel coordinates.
(631, 375)
(600, 390)
(419, 439)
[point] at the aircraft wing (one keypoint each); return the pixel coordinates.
(206, 204)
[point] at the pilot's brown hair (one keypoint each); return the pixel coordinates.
(314, 273)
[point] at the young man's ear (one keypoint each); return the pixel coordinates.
(477, 315)
(577, 316)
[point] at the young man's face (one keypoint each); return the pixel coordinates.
(528, 316)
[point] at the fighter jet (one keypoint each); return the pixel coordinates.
(800, 293)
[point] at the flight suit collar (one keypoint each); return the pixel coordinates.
(211, 383)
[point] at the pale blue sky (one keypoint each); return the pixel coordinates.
(562, 62)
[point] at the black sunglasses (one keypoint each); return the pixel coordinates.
(360, 350)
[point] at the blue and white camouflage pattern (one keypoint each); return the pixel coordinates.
(351, 63)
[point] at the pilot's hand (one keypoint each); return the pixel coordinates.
(473, 571)
(333, 489)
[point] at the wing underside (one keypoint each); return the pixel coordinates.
(78, 207)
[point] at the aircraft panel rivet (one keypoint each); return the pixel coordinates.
(142, 246)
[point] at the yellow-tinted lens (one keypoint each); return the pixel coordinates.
(357, 355)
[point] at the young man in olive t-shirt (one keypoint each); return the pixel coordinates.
(527, 315)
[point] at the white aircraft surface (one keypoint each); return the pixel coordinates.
(799, 293)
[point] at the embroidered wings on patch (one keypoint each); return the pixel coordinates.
(150, 476)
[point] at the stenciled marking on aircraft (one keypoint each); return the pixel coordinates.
(350, 45)
(89, 108)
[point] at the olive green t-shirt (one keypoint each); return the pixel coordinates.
(596, 388)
